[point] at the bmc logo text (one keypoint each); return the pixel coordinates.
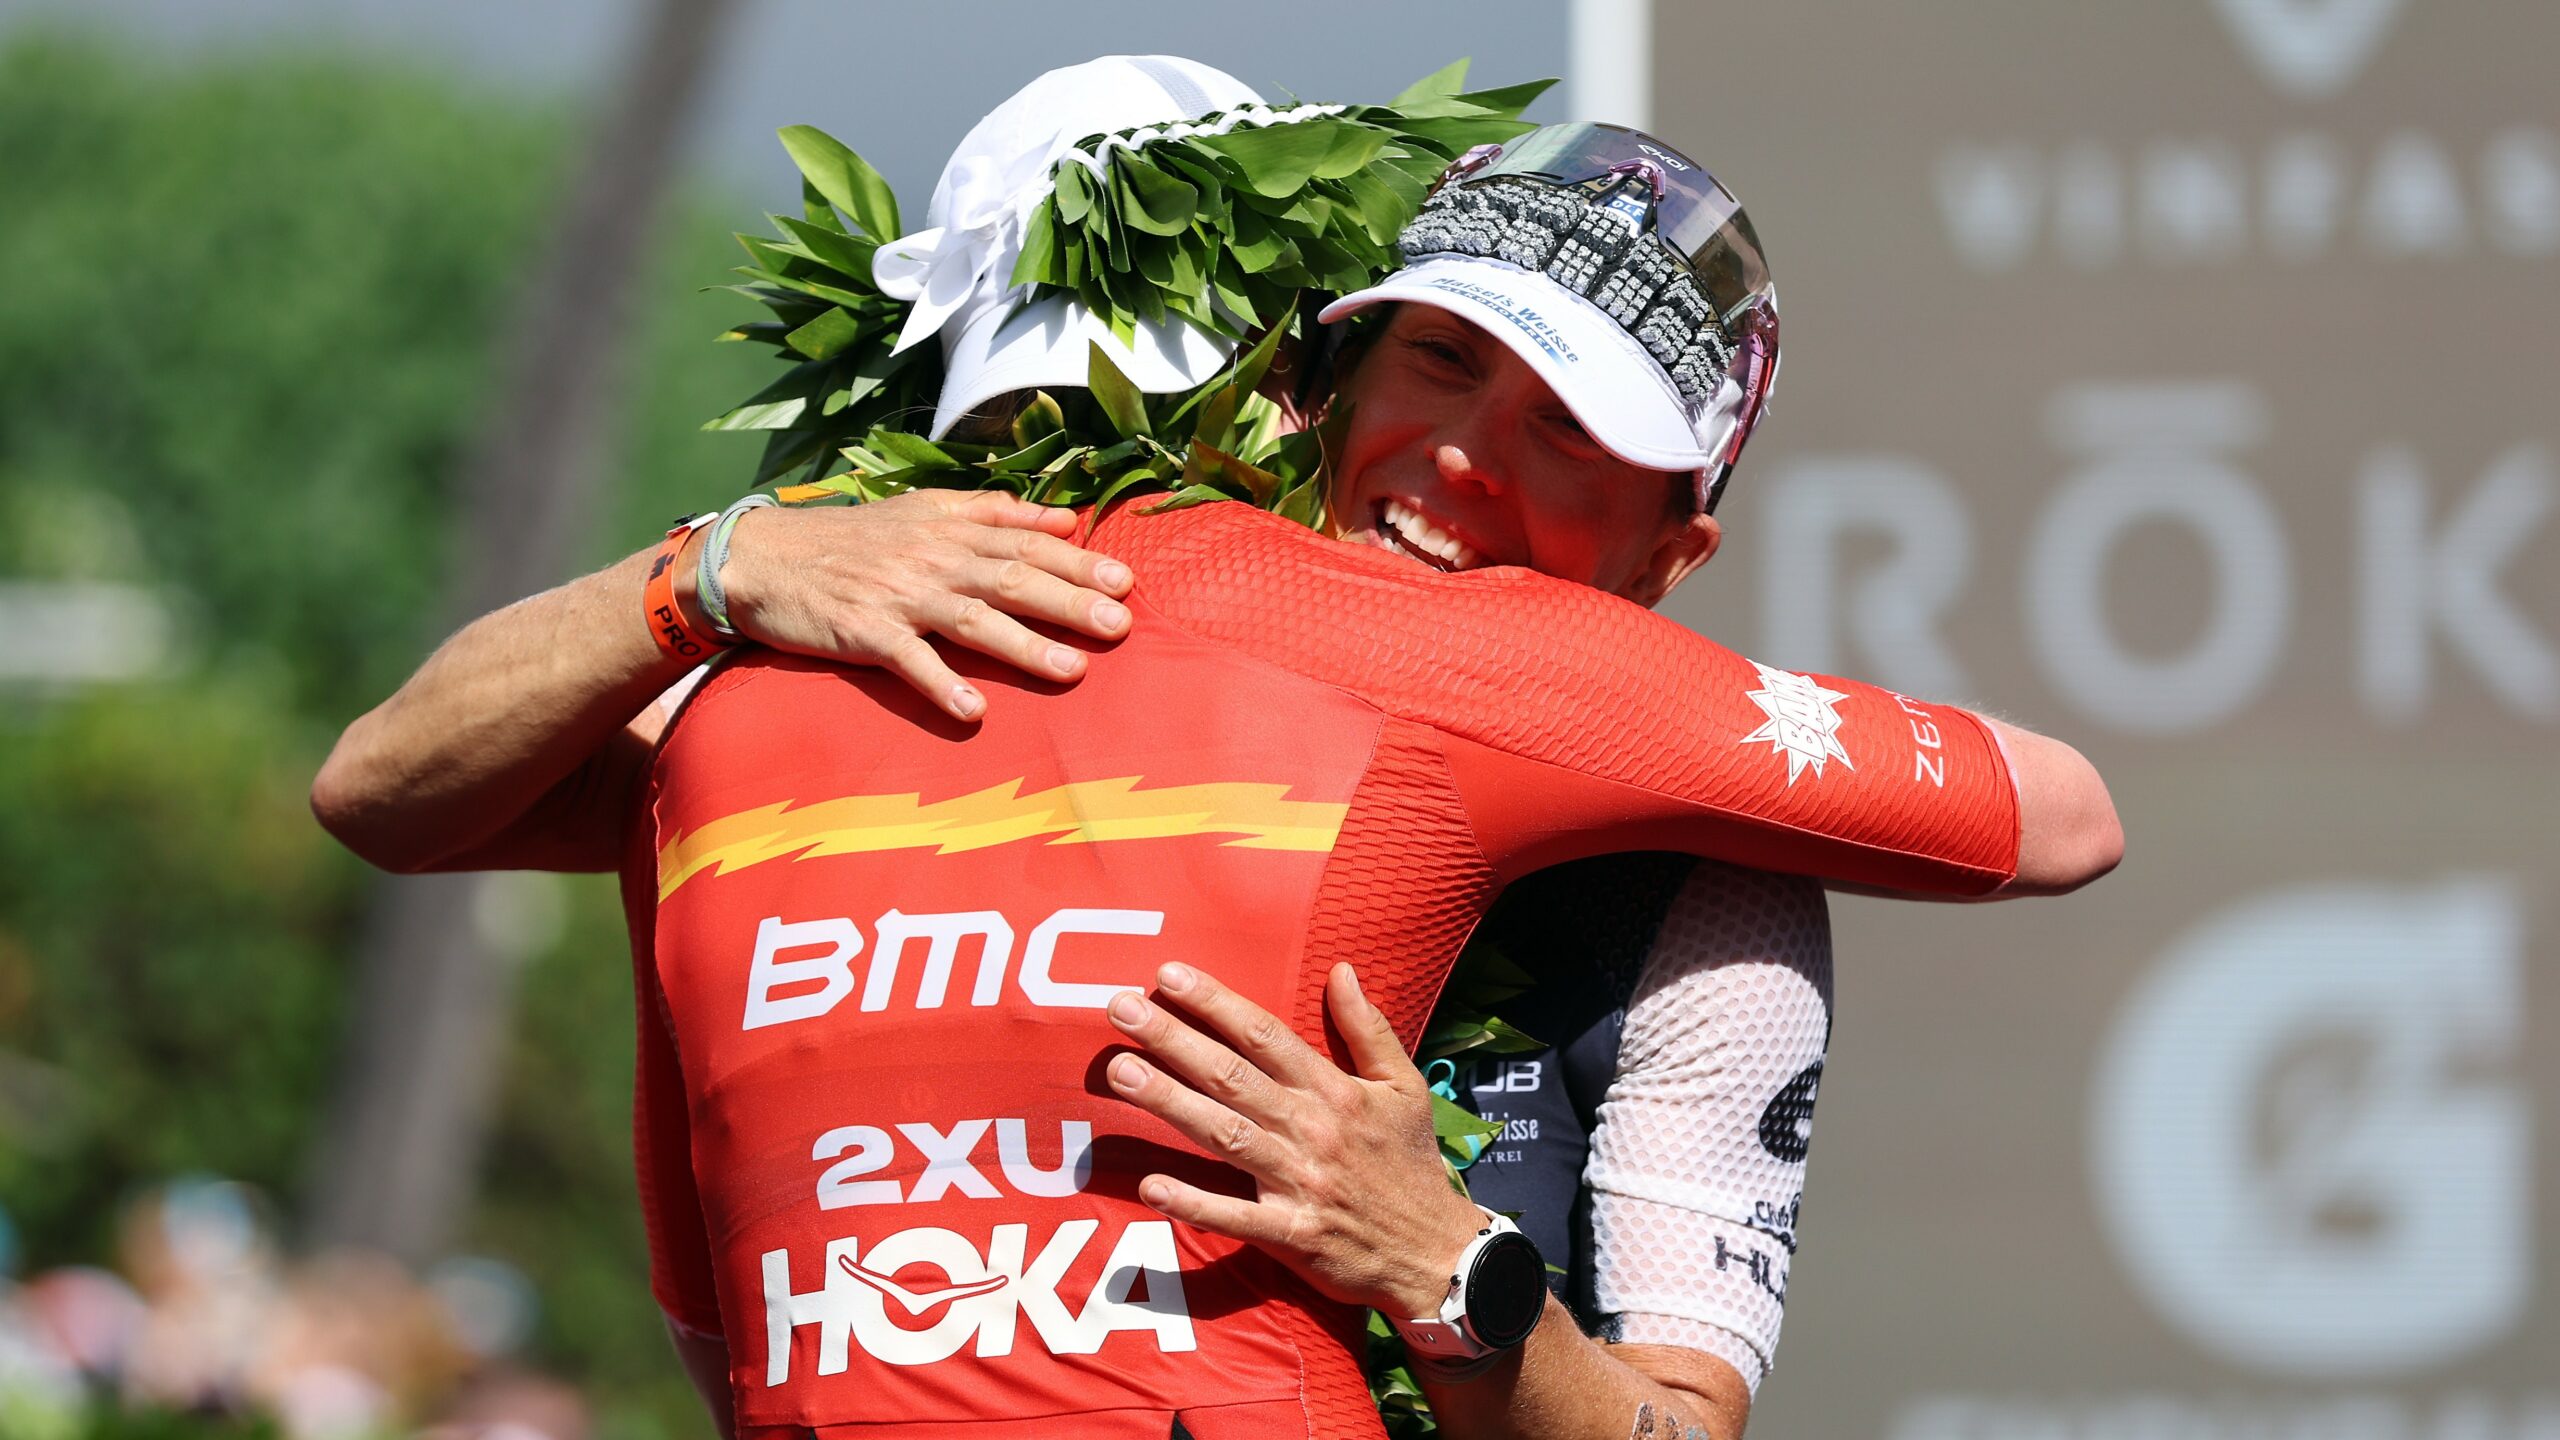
(983, 1297)
(769, 973)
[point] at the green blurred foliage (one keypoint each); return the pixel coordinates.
(108, 1424)
(248, 322)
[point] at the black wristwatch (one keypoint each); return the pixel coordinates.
(1497, 1291)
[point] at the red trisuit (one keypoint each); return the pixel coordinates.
(873, 948)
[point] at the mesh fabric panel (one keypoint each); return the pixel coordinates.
(1404, 887)
(1697, 1169)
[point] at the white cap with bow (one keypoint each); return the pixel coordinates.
(957, 272)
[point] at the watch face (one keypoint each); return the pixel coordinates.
(1506, 1291)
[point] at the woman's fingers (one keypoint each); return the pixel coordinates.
(1229, 1215)
(1204, 1122)
(1376, 1053)
(1256, 1033)
(1209, 1067)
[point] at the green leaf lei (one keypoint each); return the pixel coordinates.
(1223, 230)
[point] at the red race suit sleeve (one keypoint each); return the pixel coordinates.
(1577, 723)
(680, 1268)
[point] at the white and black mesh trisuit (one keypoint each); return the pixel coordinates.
(1656, 1149)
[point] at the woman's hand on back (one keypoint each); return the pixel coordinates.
(1350, 1191)
(869, 584)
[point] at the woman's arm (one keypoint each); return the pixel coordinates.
(1351, 1195)
(514, 743)
(2068, 834)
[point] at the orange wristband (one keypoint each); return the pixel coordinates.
(676, 640)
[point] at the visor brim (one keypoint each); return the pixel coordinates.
(1603, 374)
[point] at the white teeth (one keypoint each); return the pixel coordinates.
(1427, 538)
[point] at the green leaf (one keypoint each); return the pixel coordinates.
(784, 303)
(1485, 977)
(913, 451)
(1383, 211)
(768, 332)
(1217, 417)
(1118, 488)
(1451, 1121)
(1449, 79)
(825, 337)
(841, 296)
(1112, 455)
(1154, 259)
(1029, 458)
(815, 208)
(1074, 193)
(1509, 100)
(787, 449)
(770, 255)
(1186, 497)
(1509, 1039)
(1120, 400)
(1354, 146)
(1200, 172)
(1303, 503)
(1454, 137)
(772, 415)
(1259, 245)
(1039, 419)
(1257, 361)
(1039, 248)
(1260, 484)
(1277, 160)
(1227, 283)
(845, 179)
(848, 255)
(1333, 266)
(1150, 199)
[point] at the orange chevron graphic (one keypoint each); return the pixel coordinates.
(1080, 812)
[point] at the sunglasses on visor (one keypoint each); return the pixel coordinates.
(1695, 217)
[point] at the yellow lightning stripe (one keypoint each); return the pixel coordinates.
(1081, 812)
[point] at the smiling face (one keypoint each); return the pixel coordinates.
(1454, 453)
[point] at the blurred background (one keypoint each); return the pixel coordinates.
(2177, 379)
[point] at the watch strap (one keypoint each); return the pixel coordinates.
(1444, 1341)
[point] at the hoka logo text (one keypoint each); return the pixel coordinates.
(982, 1298)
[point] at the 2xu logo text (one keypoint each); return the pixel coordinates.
(984, 1296)
(778, 990)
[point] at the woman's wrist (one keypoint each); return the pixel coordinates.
(1423, 1277)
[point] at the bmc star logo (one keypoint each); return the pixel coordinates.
(2309, 48)
(1802, 722)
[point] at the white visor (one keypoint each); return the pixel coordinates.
(1044, 346)
(1604, 375)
